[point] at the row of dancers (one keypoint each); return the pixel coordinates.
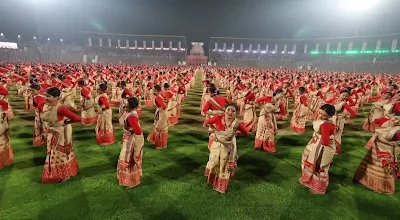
(327, 99)
(328, 104)
(52, 100)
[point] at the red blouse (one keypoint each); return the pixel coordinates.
(104, 101)
(39, 101)
(3, 105)
(221, 100)
(217, 120)
(133, 121)
(327, 129)
(160, 102)
(64, 112)
(303, 99)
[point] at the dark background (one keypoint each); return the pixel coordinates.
(196, 19)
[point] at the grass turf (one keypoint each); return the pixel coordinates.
(173, 186)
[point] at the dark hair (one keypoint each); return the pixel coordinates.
(33, 81)
(54, 92)
(212, 89)
(35, 86)
(389, 93)
(329, 109)
(81, 83)
(345, 91)
(277, 92)
(232, 104)
(319, 85)
(166, 85)
(103, 87)
(133, 102)
(157, 87)
(61, 77)
(302, 89)
(53, 75)
(123, 84)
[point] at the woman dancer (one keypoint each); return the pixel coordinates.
(117, 92)
(159, 134)
(377, 110)
(266, 126)
(129, 170)
(223, 152)
(6, 152)
(319, 152)
(299, 118)
(172, 105)
(379, 168)
(61, 162)
(249, 109)
(104, 128)
(88, 113)
(39, 128)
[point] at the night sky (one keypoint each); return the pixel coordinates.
(196, 19)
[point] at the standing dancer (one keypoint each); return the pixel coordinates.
(88, 113)
(6, 152)
(379, 168)
(126, 94)
(61, 162)
(129, 170)
(319, 152)
(104, 128)
(339, 119)
(159, 134)
(223, 152)
(377, 110)
(249, 109)
(266, 126)
(4, 96)
(299, 118)
(172, 105)
(214, 106)
(39, 128)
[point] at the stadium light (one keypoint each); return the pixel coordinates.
(2, 34)
(34, 37)
(358, 5)
(19, 36)
(48, 38)
(61, 40)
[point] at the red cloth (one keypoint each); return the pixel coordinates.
(396, 107)
(265, 99)
(249, 97)
(168, 95)
(349, 109)
(85, 92)
(379, 121)
(217, 120)
(64, 112)
(3, 91)
(160, 102)
(126, 93)
(39, 101)
(221, 100)
(303, 99)
(133, 121)
(104, 101)
(4, 105)
(327, 129)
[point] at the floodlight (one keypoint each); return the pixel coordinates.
(246, 51)
(61, 40)
(19, 36)
(34, 37)
(48, 38)
(357, 5)
(1, 34)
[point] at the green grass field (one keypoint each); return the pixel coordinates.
(173, 185)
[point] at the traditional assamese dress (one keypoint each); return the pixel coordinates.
(159, 134)
(266, 126)
(39, 128)
(4, 96)
(215, 105)
(61, 161)
(379, 168)
(88, 113)
(223, 152)
(300, 113)
(172, 106)
(116, 98)
(104, 127)
(68, 97)
(124, 100)
(339, 120)
(6, 152)
(249, 112)
(377, 111)
(318, 156)
(129, 170)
